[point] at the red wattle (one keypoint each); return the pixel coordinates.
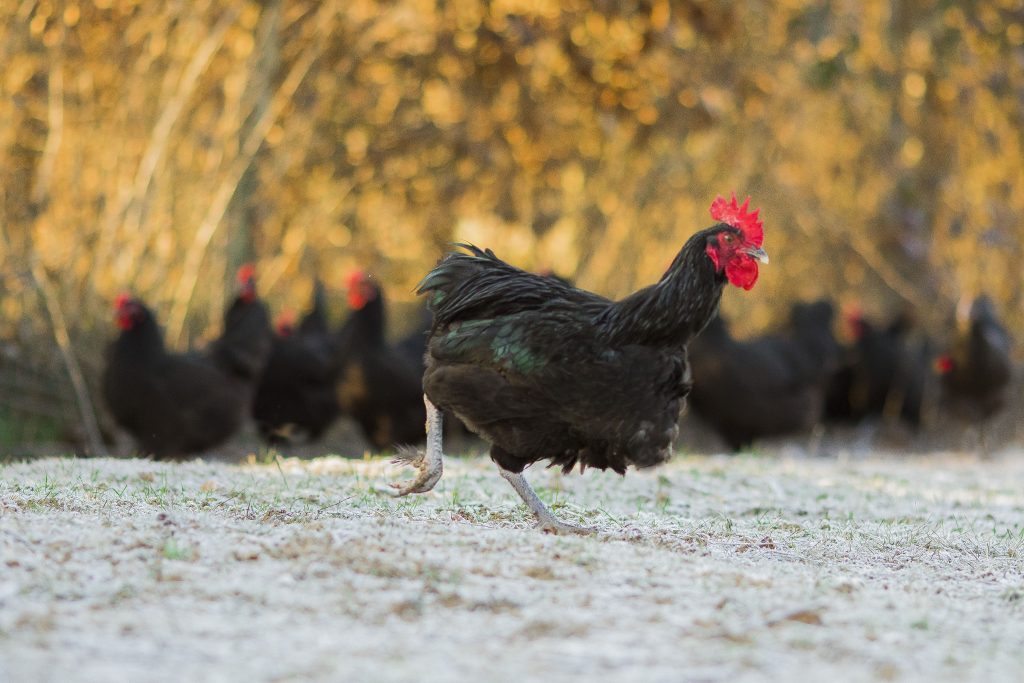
(742, 271)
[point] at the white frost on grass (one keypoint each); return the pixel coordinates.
(709, 569)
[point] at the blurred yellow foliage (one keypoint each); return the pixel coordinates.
(155, 146)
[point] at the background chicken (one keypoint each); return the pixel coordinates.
(976, 373)
(179, 404)
(883, 374)
(544, 371)
(377, 385)
(172, 404)
(296, 392)
(413, 346)
(244, 344)
(766, 386)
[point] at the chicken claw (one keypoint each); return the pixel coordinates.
(546, 520)
(430, 472)
(428, 462)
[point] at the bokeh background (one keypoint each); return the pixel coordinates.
(155, 146)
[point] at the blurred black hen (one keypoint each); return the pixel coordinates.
(545, 371)
(413, 346)
(766, 386)
(296, 393)
(883, 374)
(976, 373)
(179, 404)
(378, 386)
(244, 345)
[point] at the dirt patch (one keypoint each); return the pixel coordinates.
(712, 569)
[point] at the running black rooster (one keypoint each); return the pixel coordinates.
(544, 371)
(976, 373)
(379, 387)
(296, 395)
(766, 386)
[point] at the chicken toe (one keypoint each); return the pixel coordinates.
(546, 520)
(429, 463)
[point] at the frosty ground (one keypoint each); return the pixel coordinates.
(707, 569)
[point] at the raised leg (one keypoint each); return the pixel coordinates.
(428, 462)
(546, 520)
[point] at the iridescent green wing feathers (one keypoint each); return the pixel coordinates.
(479, 285)
(489, 313)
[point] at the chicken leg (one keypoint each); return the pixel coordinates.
(546, 520)
(428, 462)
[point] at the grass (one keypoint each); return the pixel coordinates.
(714, 568)
(17, 428)
(173, 550)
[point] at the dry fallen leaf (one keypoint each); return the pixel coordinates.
(804, 616)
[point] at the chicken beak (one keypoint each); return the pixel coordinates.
(758, 253)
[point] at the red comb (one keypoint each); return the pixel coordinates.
(286, 322)
(738, 216)
(853, 318)
(356, 277)
(361, 289)
(124, 311)
(246, 272)
(944, 364)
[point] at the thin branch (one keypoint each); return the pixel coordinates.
(55, 132)
(40, 197)
(869, 253)
(59, 326)
(129, 203)
(229, 183)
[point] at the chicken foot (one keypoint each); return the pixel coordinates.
(428, 462)
(546, 520)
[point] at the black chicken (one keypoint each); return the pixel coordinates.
(976, 373)
(884, 373)
(379, 387)
(315, 323)
(766, 386)
(545, 371)
(244, 345)
(180, 404)
(173, 404)
(296, 393)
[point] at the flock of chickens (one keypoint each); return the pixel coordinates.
(542, 370)
(293, 381)
(801, 376)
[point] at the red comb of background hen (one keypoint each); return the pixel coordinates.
(246, 272)
(246, 277)
(360, 289)
(124, 311)
(286, 322)
(853, 318)
(737, 216)
(355, 278)
(944, 364)
(853, 313)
